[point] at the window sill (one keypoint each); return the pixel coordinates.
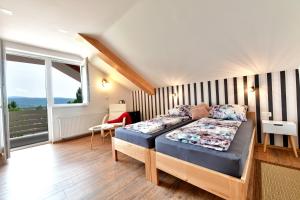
(70, 105)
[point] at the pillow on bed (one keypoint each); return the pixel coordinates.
(181, 110)
(199, 112)
(202, 105)
(230, 112)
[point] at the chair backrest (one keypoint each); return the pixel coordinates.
(105, 119)
(124, 122)
(115, 110)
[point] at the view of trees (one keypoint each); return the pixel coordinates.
(39, 108)
(78, 97)
(13, 106)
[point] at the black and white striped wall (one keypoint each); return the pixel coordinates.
(276, 92)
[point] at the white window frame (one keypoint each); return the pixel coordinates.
(48, 82)
(83, 82)
(48, 76)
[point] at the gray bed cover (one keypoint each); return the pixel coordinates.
(230, 162)
(142, 139)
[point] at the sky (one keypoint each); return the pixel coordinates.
(28, 80)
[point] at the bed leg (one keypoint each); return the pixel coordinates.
(147, 164)
(238, 191)
(114, 151)
(154, 172)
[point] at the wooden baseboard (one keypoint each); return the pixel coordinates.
(73, 138)
(276, 147)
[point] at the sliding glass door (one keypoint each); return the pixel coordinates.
(32, 84)
(27, 101)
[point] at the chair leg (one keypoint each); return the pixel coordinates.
(293, 145)
(265, 141)
(92, 139)
(102, 135)
(110, 133)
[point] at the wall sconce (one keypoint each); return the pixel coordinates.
(252, 89)
(105, 83)
(174, 95)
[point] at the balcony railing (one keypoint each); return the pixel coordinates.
(28, 126)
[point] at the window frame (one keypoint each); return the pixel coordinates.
(84, 86)
(48, 76)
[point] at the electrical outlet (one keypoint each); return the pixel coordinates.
(266, 115)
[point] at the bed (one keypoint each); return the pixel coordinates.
(139, 145)
(225, 174)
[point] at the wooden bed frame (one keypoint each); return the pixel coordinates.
(222, 185)
(137, 152)
(225, 186)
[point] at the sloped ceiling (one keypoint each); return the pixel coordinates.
(168, 41)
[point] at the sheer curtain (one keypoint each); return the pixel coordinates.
(4, 139)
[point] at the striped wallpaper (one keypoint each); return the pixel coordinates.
(276, 92)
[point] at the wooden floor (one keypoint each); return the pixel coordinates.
(278, 156)
(71, 170)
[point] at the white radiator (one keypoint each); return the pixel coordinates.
(70, 126)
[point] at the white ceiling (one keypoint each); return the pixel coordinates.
(168, 41)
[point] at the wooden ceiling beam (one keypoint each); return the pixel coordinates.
(117, 63)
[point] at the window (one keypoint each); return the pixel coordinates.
(69, 83)
(67, 79)
(25, 78)
(66, 83)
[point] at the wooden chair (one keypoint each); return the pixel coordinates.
(116, 125)
(115, 110)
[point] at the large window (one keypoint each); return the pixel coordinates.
(66, 80)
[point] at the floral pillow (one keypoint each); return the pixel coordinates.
(230, 112)
(181, 110)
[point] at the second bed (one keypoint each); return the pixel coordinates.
(223, 173)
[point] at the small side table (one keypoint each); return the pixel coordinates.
(101, 128)
(280, 128)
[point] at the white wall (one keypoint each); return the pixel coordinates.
(77, 120)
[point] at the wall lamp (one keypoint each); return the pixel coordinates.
(105, 83)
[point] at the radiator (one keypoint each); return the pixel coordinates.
(70, 126)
